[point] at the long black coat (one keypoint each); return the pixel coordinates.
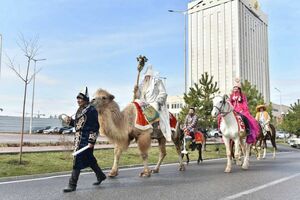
(87, 127)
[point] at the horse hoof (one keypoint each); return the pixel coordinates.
(155, 171)
(245, 167)
(182, 168)
(227, 170)
(112, 174)
(239, 163)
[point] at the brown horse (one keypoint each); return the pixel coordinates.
(262, 139)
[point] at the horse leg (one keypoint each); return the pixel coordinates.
(114, 169)
(259, 149)
(237, 152)
(199, 147)
(144, 143)
(187, 159)
(254, 147)
(265, 148)
(228, 154)
(246, 158)
(204, 144)
(272, 136)
(178, 144)
(162, 154)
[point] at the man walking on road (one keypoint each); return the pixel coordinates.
(86, 126)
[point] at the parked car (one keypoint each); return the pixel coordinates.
(50, 130)
(282, 135)
(294, 142)
(69, 131)
(61, 129)
(214, 133)
(41, 129)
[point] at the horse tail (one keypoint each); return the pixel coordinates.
(273, 136)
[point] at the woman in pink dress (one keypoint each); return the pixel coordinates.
(240, 104)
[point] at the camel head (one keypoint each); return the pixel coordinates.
(101, 99)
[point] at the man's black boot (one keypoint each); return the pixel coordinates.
(73, 181)
(99, 174)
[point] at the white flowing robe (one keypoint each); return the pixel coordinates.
(156, 96)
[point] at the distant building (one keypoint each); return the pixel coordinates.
(279, 111)
(228, 39)
(175, 104)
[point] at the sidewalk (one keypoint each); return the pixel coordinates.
(26, 149)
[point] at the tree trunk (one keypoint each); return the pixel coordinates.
(23, 122)
(23, 114)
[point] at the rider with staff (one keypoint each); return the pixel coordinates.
(239, 101)
(153, 92)
(87, 127)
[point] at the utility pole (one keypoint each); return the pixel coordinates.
(0, 53)
(185, 12)
(33, 89)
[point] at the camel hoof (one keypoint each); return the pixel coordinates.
(155, 171)
(145, 174)
(112, 174)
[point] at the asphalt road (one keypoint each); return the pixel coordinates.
(266, 179)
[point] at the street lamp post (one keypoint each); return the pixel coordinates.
(33, 88)
(279, 100)
(0, 52)
(185, 12)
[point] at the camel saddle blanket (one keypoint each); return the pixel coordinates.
(173, 122)
(147, 115)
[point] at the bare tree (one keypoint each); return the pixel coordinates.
(30, 48)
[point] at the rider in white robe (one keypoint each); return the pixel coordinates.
(152, 91)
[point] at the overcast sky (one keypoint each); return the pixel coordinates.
(95, 43)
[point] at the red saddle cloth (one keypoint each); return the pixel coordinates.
(142, 123)
(199, 137)
(173, 121)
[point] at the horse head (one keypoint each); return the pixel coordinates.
(219, 103)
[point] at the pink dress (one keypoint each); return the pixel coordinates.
(240, 104)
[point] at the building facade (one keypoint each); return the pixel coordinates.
(175, 104)
(228, 39)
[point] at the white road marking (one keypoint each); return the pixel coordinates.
(84, 173)
(235, 196)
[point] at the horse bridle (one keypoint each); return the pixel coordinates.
(221, 112)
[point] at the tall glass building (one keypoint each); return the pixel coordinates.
(228, 39)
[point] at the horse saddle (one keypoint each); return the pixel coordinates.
(241, 125)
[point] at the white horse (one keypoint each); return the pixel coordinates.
(230, 130)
